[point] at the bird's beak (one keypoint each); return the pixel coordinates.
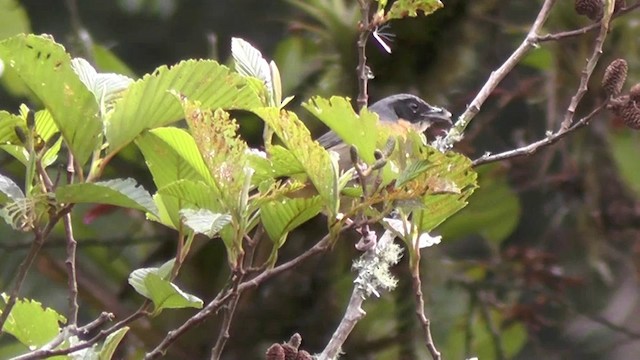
(438, 115)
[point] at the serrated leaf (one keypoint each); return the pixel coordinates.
(106, 87)
(166, 295)
(111, 343)
(360, 131)
(45, 68)
(119, 192)
(223, 151)
(409, 8)
(9, 190)
(204, 221)
(8, 122)
(171, 154)
(284, 162)
(31, 323)
(452, 169)
(412, 171)
(279, 217)
(148, 103)
(315, 160)
(249, 62)
(192, 193)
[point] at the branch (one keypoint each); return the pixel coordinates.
(70, 262)
(223, 297)
(535, 146)
(45, 352)
(496, 77)
(591, 65)
(223, 335)
(586, 29)
(39, 238)
(424, 321)
(352, 315)
(363, 69)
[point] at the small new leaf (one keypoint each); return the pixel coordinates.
(204, 222)
(166, 295)
(9, 190)
(111, 344)
(249, 62)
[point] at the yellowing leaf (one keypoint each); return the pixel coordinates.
(403, 8)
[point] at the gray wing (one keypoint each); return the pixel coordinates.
(329, 140)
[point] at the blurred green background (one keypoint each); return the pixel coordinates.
(544, 262)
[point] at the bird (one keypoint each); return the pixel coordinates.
(399, 112)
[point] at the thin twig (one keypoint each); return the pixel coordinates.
(230, 308)
(496, 77)
(70, 263)
(39, 238)
(424, 321)
(45, 353)
(223, 297)
(532, 148)
(578, 32)
(363, 69)
(588, 69)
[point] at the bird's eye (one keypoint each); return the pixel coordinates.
(413, 107)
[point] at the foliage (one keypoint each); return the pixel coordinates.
(222, 159)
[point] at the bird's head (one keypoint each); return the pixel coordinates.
(410, 110)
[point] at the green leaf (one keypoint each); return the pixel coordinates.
(148, 103)
(279, 217)
(412, 171)
(223, 151)
(119, 192)
(152, 283)
(493, 210)
(31, 323)
(107, 88)
(284, 162)
(439, 203)
(45, 68)
(9, 190)
(111, 343)
(403, 8)
(249, 62)
(204, 222)
(315, 160)
(361, 131)
(166, 295)
(171, 154)
(8, 122)
(193, 193)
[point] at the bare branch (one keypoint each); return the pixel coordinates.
(225, 296)
(535, 146)
(497, 76)
(70, 263)
(40, 235)
(424, 321)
